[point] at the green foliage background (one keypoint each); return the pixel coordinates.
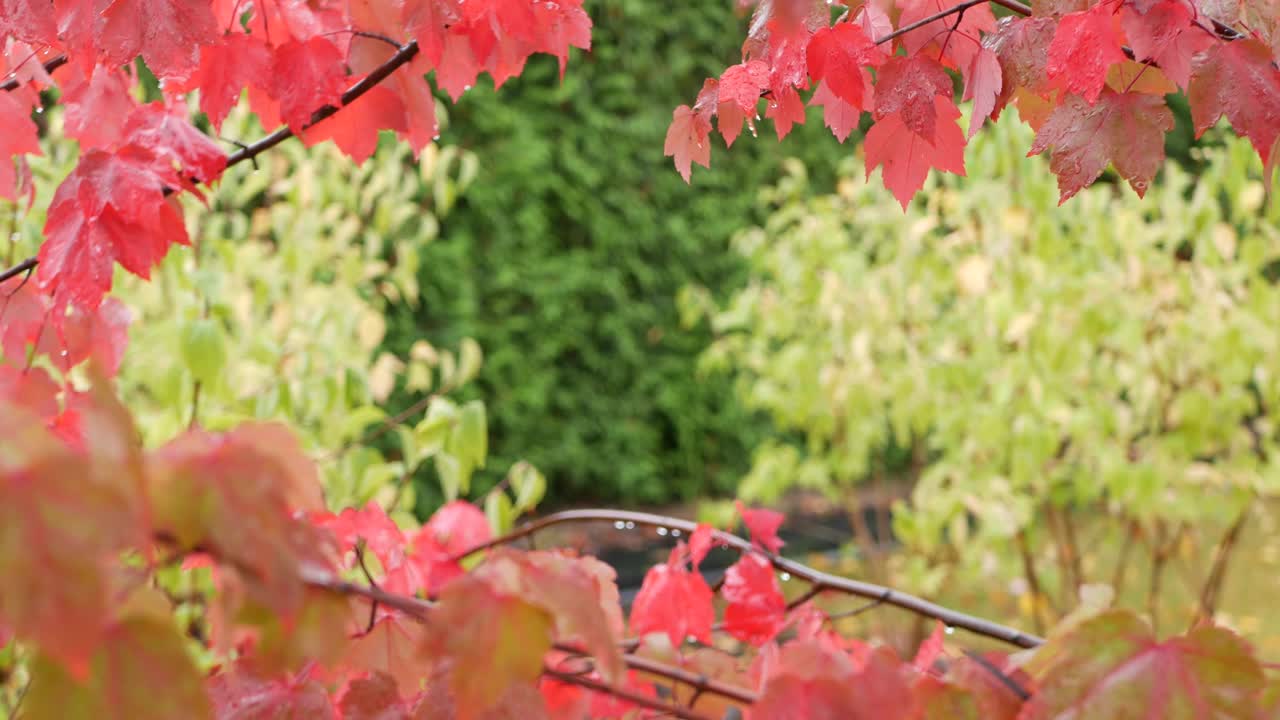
(564, 257)
(1111, 364)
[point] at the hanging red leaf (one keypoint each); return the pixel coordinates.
(1124, 129)
(906, 157)
(952, 40)
(169, 135)
(166, 33)
(97, 106)
(906, 87)
(306, 76)
(837, 114)
(785, 109)
(763, 526)
(687, 140)
(225, 69)
(674, 601)
(738, 95)
(982, 83)
(837, 56)
(1238, 80)
(757, 610)
(930, 650)
(17, 136)
(110, 208)
(1085, 45)
(1165, 33)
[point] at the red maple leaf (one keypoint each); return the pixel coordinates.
(166, 33)
(982, 83)
(1084, 47)
(757, 610)
(956, 41)
(225, 69)
(110, 208)
(370, 525)
(28, 20)
(931, 649)
(306, 76)
(906, 157)
(1022, 46)
(785, 109)
(837, 56)
(1238, 80)
(1165, 33)
(17, 136)
(97, 106)
(837, 114)
(687, 140)
(906, 87)
(674, 601)
(238, 694)
(171, 138)
(1126, 129)
(763, 526)
(738, 94)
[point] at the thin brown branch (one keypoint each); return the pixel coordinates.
(49, 66)
(1038, 598)
(820, 579)
(1218, 569)
(630, 696)
(699, 682)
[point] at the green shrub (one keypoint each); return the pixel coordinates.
(565, 255)
(1015, 360)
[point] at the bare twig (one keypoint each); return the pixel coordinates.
(630, 696)
(823, 580)
(1218, 570)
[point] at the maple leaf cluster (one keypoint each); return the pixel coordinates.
(297, 61)
(317, 614)
(1090, 76)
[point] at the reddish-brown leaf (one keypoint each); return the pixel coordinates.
(982, 83)
(166, 33)
(906, 157)
(1126, 130)
(906, 87)
(1238, 80)
(687, 141)
(1085, 45)
(1165, 33)
(1111, 666)
(237, 694)
(494, 641)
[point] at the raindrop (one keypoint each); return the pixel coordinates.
(675, 533)
(619, 525)
(63, 353)
(786, 576)
(436, 136)
(631, 525)
(950, 630)
(466, 88)
(662, 531)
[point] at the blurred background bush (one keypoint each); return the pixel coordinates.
(564, 257)
(1045, 398)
